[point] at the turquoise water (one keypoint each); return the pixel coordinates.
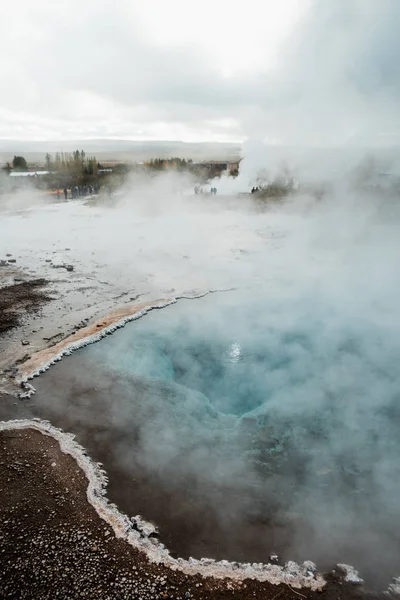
(246, 356)
(278, 410)
(298, 377)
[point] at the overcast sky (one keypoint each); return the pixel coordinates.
(288, 71)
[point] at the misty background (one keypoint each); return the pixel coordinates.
(270, 410)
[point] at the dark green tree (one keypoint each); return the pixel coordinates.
(19, 163)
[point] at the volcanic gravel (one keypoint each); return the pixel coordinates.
(54, 545)
(19, 298)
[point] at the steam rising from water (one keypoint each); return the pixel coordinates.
(278, 403)
(271, 409)
(314, 394)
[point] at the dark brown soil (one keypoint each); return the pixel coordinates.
(17, 299)
(54, 545)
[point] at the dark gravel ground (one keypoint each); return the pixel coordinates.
(18, 299)
(54, 545)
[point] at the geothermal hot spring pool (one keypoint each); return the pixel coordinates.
(247, 424)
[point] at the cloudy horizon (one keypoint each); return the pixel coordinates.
(294, 72)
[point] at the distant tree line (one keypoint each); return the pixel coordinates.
(161, 164)
(202, 171)
(75, 164)
(67, 169)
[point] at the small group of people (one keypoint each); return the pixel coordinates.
(254, 190)
(78, 191)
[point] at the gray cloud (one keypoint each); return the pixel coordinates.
(84, 65)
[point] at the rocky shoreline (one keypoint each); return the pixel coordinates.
(56, 545)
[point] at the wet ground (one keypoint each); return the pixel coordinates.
(158, 252)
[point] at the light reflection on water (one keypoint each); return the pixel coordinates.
(234, 352)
